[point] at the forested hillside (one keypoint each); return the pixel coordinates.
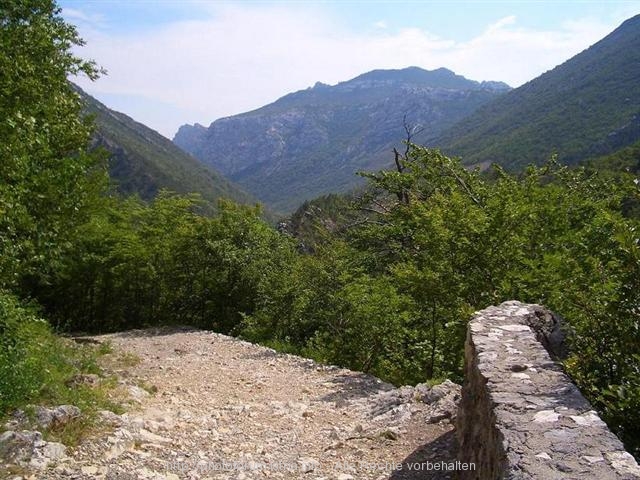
(314, 141)
(143, 162)
(624, 160)
(587, 107)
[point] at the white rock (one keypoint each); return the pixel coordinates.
(54, 450)
(546, 416)
(45, 454)
(593, 459)
(136, 393)
(145, 436)
(108, 417)
(308, 464)
(515, 328)
(119, 447)
(623, 463)
(588, 418)
(89, 470)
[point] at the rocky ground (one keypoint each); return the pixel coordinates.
(220, 408)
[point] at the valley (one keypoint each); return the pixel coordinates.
(310, 283)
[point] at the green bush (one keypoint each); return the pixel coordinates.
(35, 364)
(25, 341)
(436, 242)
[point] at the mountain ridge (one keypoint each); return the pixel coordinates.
(142, 161)
(587, 106)
(314, 141)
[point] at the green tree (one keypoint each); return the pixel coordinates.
(456, 241)
(47, 180)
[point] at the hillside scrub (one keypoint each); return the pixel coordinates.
(136, 264)
(38, 367)
(388, 291)
(49, 185)
(392, 294)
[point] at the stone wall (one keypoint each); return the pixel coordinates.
(520, 416)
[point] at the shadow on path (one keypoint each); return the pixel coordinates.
(136, 333)
(420, 464)
(349, 385)
(352, 386)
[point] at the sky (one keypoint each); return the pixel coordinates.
(171, 62)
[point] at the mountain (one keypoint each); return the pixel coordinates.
(586, 107)
(624, 160)
(314, 141)
(142, 161)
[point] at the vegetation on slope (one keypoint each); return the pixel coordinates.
(136, 264)
(37, 366)
(390, 294)
(314, 141)
(317, 221)
(624, 160)
(49, 185)
(143, 162)
(586, 107)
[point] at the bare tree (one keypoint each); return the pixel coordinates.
(400, 158)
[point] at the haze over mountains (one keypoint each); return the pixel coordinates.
(314, 141)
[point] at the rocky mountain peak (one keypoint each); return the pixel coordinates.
(314, 141)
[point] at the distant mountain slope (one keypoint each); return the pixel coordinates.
(588, 106)
(624, 160)
(314, 141)
(142, 161)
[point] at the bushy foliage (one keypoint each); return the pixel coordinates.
(35, 365)
(47, 180)
(436, 242)
(22, 356)
(136, 264)
(49, 186)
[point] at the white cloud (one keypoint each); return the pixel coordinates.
(78, 16)
(503, 22)
(239, 58)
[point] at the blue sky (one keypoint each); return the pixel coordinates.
(172, 62)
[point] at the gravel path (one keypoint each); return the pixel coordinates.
(227, 409)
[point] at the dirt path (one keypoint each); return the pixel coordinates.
(226, 409)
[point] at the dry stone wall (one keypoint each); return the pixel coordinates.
(520, 416)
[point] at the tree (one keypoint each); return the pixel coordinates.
(456, 241)
(48, 181)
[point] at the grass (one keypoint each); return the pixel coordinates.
(38, 367)
(127, 360)
(105, 348)
(151, 389)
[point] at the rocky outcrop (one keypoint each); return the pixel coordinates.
(314, 141)
(21, 445)
(27, 449)
(56, 417)
(520, 416)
